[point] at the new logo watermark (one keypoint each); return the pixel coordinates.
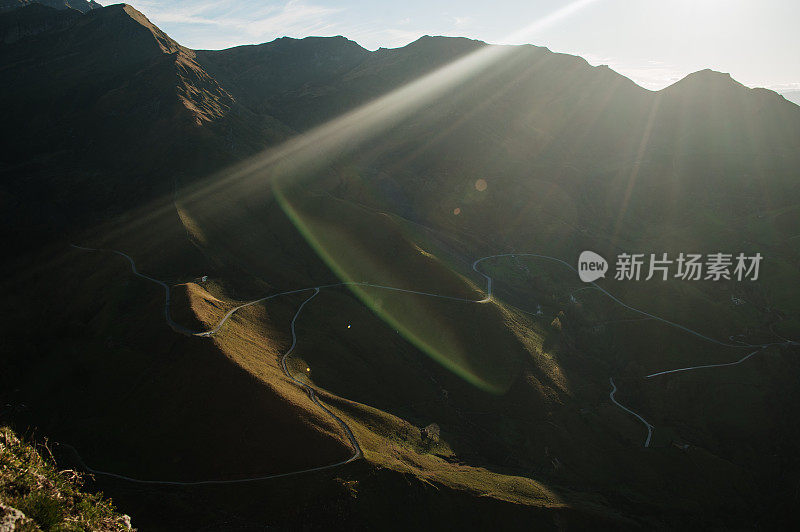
(685, 266)
(591, 266)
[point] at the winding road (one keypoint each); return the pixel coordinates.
(231, 312)
(613, 298)
(706, 365)
(631, 412)
(175, 326)
(357, 453)
(313, 395)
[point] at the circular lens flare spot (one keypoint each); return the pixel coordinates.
(480, 185)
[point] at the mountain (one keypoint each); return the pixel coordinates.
(128, 101)
(78, 5)
(32, 20)
(262, 75)
(319, 78)
(792, 95)
(375, 244)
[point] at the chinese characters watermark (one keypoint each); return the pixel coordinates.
(660, 266)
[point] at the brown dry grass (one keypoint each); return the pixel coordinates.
(196, 307)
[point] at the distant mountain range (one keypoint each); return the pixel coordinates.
(305, 166)
(792, 96)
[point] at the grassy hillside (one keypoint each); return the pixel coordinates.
(494, 413)
(36, 495)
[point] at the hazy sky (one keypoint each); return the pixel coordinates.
(653, 42)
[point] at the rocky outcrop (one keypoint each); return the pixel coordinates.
(12, 519)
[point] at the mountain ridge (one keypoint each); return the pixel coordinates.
(145, 101)
(294, 168)
(706, 73)
(82, 6)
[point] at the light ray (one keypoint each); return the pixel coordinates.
(345, 133)
(284, 171)
(637, 163)
(327, 142)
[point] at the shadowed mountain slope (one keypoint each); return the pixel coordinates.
(240, 174)
(78, 5)
(108, 94)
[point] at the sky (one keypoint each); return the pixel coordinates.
(655, 43)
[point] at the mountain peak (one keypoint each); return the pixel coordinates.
(127, 13)
(429, 40)
(440, 46)
(706, 79)
(709, 75)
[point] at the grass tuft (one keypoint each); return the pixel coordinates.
(51, 499)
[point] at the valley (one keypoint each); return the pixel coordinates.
(302, 284)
